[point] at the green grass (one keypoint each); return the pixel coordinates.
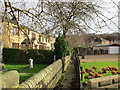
(24, 70)
(100, 65)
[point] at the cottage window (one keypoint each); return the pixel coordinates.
(40, 47)
(15, 31)
(15, 45)
(33, 35)
(42, 39)
(46, 39)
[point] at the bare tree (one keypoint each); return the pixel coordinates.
(76, 16)
(70, 16)
(57, 17)
(18, 14)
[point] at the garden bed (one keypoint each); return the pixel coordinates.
(98, 68)
(24, 70)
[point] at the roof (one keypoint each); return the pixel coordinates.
(106, 45)
(15, 23)
(101, 45)
(114, 44)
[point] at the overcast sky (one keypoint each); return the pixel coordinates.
(113, 9)
(110, 6)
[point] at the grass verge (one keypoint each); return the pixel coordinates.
(100, 65)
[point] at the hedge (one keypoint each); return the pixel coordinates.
(11, 55)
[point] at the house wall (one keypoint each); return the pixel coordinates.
(104, 41)
(6, 38)
(97, 48)
(9, 38)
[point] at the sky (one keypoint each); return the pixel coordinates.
(111, 7)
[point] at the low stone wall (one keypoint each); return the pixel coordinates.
(48, 77)
(116, 86)
(10, 79)
(66, 62)
(104, 82)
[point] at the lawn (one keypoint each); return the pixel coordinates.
(100, 65)
(24, 70)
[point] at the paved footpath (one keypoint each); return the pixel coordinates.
(70, 78)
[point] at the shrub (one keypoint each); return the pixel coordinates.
(61, 49)
(11, 55)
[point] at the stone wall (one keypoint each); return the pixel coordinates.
(66, 62)
(10, 79)
(48, 77)
(105, 82)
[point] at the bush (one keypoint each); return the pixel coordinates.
(61, 49)
(11, 55)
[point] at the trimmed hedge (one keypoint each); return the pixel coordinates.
(11, 55)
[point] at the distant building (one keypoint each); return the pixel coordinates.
(111, 48)
(24, 37)
(101, 46)
(104, 41)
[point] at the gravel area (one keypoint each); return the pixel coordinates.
(100, 58)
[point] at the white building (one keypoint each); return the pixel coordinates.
(112, 48)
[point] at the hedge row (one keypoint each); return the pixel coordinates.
(11, 55)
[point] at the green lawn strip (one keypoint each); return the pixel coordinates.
(100, 65)
(24, 70)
